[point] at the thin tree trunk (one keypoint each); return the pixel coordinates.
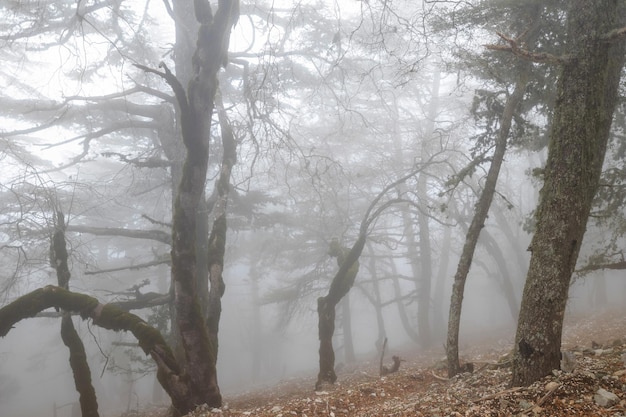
(78, 357)
(438, 294)
(505, 281)
(339, 287)
(346, 328)
(380, 321)
(425, 255)
(586, 100)
(473, 232)
(404, 317)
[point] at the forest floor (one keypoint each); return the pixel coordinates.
(597, 342)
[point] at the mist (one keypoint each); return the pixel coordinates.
(371, 120)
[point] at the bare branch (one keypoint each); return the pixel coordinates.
(520, 51)
(156, 262)
(177, 87)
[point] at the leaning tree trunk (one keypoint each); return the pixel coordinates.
(344, 279)
(348, 262)
(586, 99)
(78, 357)
(478, 221)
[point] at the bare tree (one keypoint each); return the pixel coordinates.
(194, 380)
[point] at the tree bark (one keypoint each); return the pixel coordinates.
(78, 357)
(107, 316)
(586, 99)
(473, 232)
(196, 109)
(217, 238)
(348, 262)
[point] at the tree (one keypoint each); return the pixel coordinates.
(194, 381)
(586, 98)
(486, 196)
(343, 280)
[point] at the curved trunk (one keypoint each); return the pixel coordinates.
(473, 232)
(339, 287)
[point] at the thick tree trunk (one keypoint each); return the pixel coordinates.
(586, 99)
(196, 109)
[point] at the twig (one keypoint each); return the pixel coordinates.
(440, 378)
(547, 395)
(498, 394)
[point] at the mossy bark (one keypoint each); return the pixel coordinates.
(169, 372)
(342, 282)
(196, 110)
(586, 99)
(78, 358)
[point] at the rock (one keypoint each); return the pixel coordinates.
(552, 385)
(568, 361)
(525, 405)
(605, 398)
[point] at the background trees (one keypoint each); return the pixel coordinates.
(327, 106)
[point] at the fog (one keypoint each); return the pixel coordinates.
(329, 106)
(36, 373)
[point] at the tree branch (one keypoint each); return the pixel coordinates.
(515, 49)
(158, 235)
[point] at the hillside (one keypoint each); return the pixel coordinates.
(597, 342)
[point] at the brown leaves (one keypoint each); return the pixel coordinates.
(416, 391)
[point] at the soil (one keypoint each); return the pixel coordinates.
(595, 347)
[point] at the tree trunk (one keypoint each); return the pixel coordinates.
(473, 232)
(78, 357)
(402, 313)
(217, 240)
(346, 330)
(425, 251)
(196, 109)
(504, 279)
(586, 99)
(339, 287)
(438, 294)
(377, 302)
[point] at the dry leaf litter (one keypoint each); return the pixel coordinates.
(592, 382)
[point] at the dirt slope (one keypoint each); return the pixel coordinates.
(596, 346)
